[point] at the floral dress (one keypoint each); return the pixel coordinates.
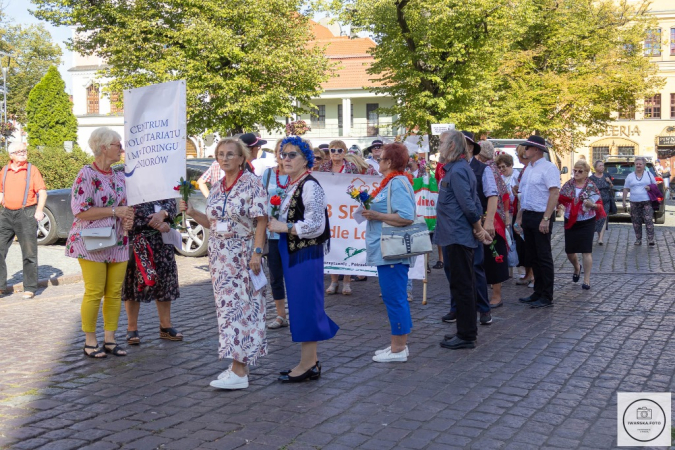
(347, 167)
(157, 265)
(240, 309)
(606, 194)
(95, 189)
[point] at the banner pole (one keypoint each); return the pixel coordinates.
(426, 276)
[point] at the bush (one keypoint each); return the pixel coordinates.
(58, 167)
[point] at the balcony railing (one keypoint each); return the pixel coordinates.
(334, 131)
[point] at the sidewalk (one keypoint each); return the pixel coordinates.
(538, 379)
(54, 267)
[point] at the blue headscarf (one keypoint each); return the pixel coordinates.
(303, 146)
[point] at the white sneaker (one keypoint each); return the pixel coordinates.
(388, 349)
(388, 356)
(230, 380)
(225, 373)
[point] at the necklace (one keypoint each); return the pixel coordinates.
(279, 185)
(290, 190)
(386, 181)
(639, 179)
(108, 172)
(224, 182)
(291, 183)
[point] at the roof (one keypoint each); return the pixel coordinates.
(351, 56)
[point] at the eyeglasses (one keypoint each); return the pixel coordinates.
(289, 155)
(228, 155)
(502, 167)
(579, 171)
(383, 160)
(20, 152)
(318, 158)
(119, 144)
(337, 150)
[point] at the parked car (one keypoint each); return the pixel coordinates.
(618, 167)
(59, 217)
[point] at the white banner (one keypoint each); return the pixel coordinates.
(154, 141)
(348, 238)
(438, 128)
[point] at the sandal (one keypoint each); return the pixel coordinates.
(523, 282)
(133, 338)
(278, 323)
(346, 289)
(116, 350)
(95, 354)
(170, 334)
(332, 289)
(438, 265)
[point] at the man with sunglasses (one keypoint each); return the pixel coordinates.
(375, 150)
(23, 195)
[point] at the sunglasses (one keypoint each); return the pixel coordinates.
(579, 171)
(289, 155)
(336, 150)
(318, 158)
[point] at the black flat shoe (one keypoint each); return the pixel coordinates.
(576, 276)
(540, 304)
(456, 343)
(286, 372)
(532, 298)
(586, 287)
(313, 373)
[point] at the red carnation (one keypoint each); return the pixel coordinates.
(275, 200)
(177, 188)
(499, 258)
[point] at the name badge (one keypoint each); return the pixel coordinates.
(223, 227)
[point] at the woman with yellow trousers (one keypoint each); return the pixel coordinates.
(98, 201)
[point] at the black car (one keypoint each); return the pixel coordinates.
(618, 168)
(59, 217)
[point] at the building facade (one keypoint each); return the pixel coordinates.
(649, 128)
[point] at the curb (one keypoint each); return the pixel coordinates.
(46, 282)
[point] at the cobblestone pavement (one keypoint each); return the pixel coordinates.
(537, 379)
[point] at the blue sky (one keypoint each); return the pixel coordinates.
(16, 12)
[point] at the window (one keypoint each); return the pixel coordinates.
(653, 107)
(599, 153)
(114, 99)
(672, 106)
(653, 42)
(340, 117)
(318, 117)
(92, 99)
(672, 41)
(373, 119)
(627, 113)
(625, 150)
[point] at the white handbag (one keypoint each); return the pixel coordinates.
(404, 242)
(96, 239)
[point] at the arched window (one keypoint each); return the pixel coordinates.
(92, 99)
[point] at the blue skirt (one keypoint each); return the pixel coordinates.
(304, 294)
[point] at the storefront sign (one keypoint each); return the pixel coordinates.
(622, 130)
(665, 141)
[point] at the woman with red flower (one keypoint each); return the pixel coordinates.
(99, 201)
(583, 206)
(275, 181)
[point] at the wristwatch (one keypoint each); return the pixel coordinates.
(290, 226)
(258, 250)
(545, 219)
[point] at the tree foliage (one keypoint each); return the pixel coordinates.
(507, 67)
(58, 167)
(32, 54)
(245, 61)
(50, 119)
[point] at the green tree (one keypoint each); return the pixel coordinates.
(50, 119)
(58, 167)
(32, 54)
(246, 62)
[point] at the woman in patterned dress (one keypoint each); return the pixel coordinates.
(98, 200)
(152, 273)
(236, 214)
(604, 184)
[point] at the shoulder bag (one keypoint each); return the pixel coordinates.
(96, 239)
(404, 242)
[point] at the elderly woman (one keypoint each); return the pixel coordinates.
(363, 167)
(392, 274)
(606, 187)
(641, 211)
(524, 259)
(338, 164)
(276, 181)
(152, 273)
(99, 201)
(583, 207)
(495, 262)
(318, 158)
(304, 238)
(417, 165)
(236, 214)
(504, 163)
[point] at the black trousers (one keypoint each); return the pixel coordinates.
(538, 248)
(482, 301)
(22, 224)
(463, 288)
(276, 270)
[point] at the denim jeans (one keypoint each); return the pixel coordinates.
(22, 224)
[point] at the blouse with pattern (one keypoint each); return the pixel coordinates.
(95, 189)
(347, 167)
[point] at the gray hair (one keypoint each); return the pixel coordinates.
(487, 150)
(102, 137)
(15, 146)
(454, 147)
(640, 158)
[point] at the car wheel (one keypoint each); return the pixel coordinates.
(660, 220)
(195, 239)
(46, 233)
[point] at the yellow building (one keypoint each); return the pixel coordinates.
(649, 129)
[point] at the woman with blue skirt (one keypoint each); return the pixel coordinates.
(304, 238)
(392, 274)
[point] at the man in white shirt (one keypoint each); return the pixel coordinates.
(539, 189)
(375, 154)
(254, 144)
